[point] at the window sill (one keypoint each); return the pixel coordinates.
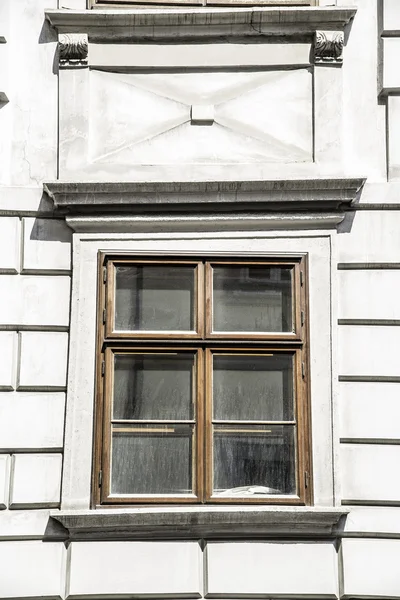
(201, 522)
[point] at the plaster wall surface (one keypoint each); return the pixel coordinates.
(363, 274)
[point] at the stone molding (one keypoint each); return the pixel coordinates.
(328, 46)
(118, 25)
(203, 206)
(205, 222)
(73, 49)
(195, 523)
(74, 197)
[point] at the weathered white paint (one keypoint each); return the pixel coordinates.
(369, 410)
(369, 351)
(32, 569)
(367, 520)
(261, 568)
(143, 568)
(8, 355)
(9, 244)
(43, 471)
(368, 294)
(364, 119)
(46, 246)
(43, 361)
(24, 200)
(373, 237)
(33, 153)
(20, 524)
(391, 15)
(4, 480)
(35, 301)
(371, 568)
(393, 136)
(198, 55)
(368, 473)
(45, 411)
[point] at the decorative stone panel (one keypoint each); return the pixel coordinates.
(152, 110)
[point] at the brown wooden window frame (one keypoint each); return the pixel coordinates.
(203, 344)
(196, 3)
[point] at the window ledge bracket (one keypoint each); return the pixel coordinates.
(195, 523)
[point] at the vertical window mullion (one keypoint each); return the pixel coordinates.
(208, 298)
(208, 426)
(107, 434)
(199, 467)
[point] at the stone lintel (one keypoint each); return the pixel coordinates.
(209, 523)
(122, 24)
(98, 198)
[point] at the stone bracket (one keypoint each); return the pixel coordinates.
(328, 46)
(73, 48)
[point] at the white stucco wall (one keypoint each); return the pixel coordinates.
(35, 284)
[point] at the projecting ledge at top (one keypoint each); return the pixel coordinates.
(204, 522)
(192, 196)
(122, 24)
(203, 205)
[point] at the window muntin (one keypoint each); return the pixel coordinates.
(209, 422)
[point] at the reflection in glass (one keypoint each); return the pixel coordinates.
(254, 460)
(154, 298)
(252, 299)
(253, 388)
(152, 459)
(151, 386)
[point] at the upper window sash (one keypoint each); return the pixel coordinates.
(135, 298)
(187, 299)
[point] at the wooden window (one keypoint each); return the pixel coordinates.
(202, 386)
(133, 3)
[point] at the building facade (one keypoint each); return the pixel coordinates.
(199, 320)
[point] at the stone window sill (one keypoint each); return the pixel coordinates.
(201, 522)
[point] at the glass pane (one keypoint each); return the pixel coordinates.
(154, 298)
(254, 460)
(252, 298)
(151, 386)
(152, 460)
(253, 388)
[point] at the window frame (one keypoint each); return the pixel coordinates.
(113, 4)
(204, 343)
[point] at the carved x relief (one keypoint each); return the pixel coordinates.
(229, 117)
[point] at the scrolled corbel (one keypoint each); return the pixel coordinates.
(73, 49)
(328, 46)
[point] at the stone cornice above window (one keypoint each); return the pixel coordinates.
(132, 206)
(224, 523)
(118, 25)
